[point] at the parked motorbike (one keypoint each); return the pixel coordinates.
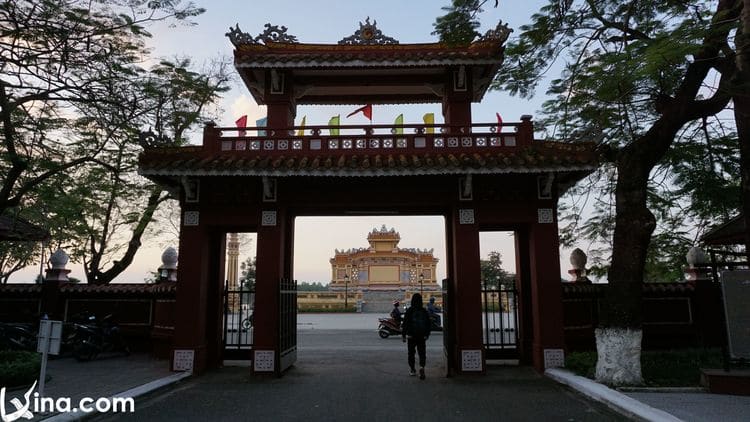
(388, 327)
(17, 336)
(95, 336)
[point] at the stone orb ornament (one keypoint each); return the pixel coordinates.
(59, 259)
(696, 257)
(169, 259)
(578, 259)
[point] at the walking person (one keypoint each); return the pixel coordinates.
(416, 330)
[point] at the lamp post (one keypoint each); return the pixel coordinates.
(346, 291)
(421, 280)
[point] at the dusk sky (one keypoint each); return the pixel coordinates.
(328, 21)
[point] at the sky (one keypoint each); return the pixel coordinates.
(328, 21)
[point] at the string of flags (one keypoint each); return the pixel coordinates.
(335, 121)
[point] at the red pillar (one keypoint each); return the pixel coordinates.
(269, 271)
(467, 302)
(198, 289)
(546, 291)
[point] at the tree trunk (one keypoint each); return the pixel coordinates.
(95, 275)
(741, 98)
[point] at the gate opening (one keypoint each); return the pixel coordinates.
(499, 294)
(239, 296)
(350, 270)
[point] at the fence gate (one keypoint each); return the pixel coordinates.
(500, 322)
(239, 304)
(287, 323)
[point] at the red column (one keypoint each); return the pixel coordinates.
(546, 292)
(192, 295)
(466, 275)
(269, 271)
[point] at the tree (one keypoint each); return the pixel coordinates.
(118, 205)
(637, 75)
(634, 75)
(459, 24)
(312, 287)
(493, 274)
(247, 271)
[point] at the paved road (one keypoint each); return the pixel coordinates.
(353, 375)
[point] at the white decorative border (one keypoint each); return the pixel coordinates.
(192, 218)
(466, 216)
(471, 360)
(554, 358)
(268, 218)
(264, 360)
(544, 215)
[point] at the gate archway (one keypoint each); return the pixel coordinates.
(476, 175)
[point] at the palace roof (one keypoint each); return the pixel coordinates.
(367, 67)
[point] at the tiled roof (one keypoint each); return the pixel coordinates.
(539, 157)
(598, 289)
(326, 55)
(83, 288)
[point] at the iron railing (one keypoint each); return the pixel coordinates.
(238, 322)
(500, 322)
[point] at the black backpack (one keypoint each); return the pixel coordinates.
(420, 323)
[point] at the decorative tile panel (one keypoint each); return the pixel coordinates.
(268, 145)
(255, 145)
(466, 216)
(438, 142)
(481, 142)
(453, 142)
(510, 141)
(268, 218)
(401, 142)
(226, 145)
(183, 360)
(466, 141)
(297, 144)
(315, 144)
(495, 142)
(374, 143)
(240, 145)
(333, 144)
(544, 215)
(347, 144)
(554, 358)
(420, 142)
(360, 143)
(471, 360)
(192, 218)
(264, 360)
(387, 143)
(283, 144)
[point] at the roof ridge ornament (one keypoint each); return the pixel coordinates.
(272, 33)
(500, 33)
(368, 34)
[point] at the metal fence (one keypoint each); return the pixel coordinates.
(500, 322)
(238, 322)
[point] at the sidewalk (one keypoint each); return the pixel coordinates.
(348, 358)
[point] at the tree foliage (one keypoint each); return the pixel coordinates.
(459, 24)
(247, 273)
(74, 96)
(493, 274)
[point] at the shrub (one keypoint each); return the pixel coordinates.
(581, 363)
(18, 368)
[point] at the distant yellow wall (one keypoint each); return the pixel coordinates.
(384, 274)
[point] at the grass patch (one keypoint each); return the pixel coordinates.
(18, 368)
(662, 368)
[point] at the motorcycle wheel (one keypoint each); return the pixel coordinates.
(383, 333)
(84, 351)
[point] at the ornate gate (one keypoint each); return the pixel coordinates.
(287, 323)
(239, 304)
(500, 322)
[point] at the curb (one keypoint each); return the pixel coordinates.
(135, 392)
(617, 401)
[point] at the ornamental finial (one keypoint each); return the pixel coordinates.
(368, 34)
(500, 33)
(273, 33)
